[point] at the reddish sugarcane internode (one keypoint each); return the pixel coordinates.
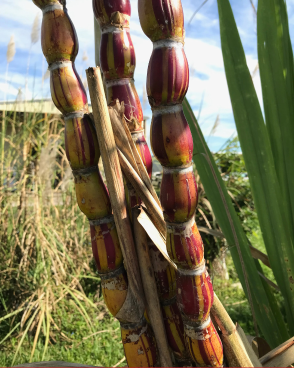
(171, 140)
(60, 47)
(117, 60)
(165, 277)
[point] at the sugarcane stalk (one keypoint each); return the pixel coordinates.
(60, 47)
(235, 350)
(149, 283)
(117, 60)
(171, 140)
(164, 273)
(117, 197)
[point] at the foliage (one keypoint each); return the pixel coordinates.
(265, 146)
(74, 342)
(258, 293)
(231, 165)
(268, 153)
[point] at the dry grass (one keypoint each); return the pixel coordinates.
(10, 50)
(44, 247)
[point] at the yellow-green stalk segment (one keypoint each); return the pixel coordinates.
(60, 47)
(117, 60)
(167, 83)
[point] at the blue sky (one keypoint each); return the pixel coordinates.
(202, 46)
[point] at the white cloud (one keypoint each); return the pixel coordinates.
(7, 89)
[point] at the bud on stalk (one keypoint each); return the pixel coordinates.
(60, 47)
(167, 83)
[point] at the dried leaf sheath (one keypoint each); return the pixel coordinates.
(117, 59)
(60, 46)
(167, 83)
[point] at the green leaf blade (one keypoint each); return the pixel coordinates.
(258, 157)
(276, 73)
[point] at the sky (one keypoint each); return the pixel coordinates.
(208, 92)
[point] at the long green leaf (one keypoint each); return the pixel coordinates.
(231, 227)
(275, 57)
(258, 157)
(273, 303)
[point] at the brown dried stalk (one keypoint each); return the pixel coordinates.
(125, 143)
(234, 348)
(150, 289)
(115, 182)
(282, 356)
(153, 209)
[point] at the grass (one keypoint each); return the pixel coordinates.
(231, 294)
(75, 344)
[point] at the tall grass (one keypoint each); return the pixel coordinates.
(35, 35)
(44, 241)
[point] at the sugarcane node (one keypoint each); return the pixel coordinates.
(125, 92)
(80, 173)
(105, 10)
(42, 3)
(67, 90)
(117, 19)
(174, 92)
(135, 341)
(179, 151)
(115, 290)
(104, 220)
(168, 302)
(104, 276)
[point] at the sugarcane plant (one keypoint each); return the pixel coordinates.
(118, 61)
(60, 47)
(172, 144)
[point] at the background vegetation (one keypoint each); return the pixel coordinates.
(51, 307)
